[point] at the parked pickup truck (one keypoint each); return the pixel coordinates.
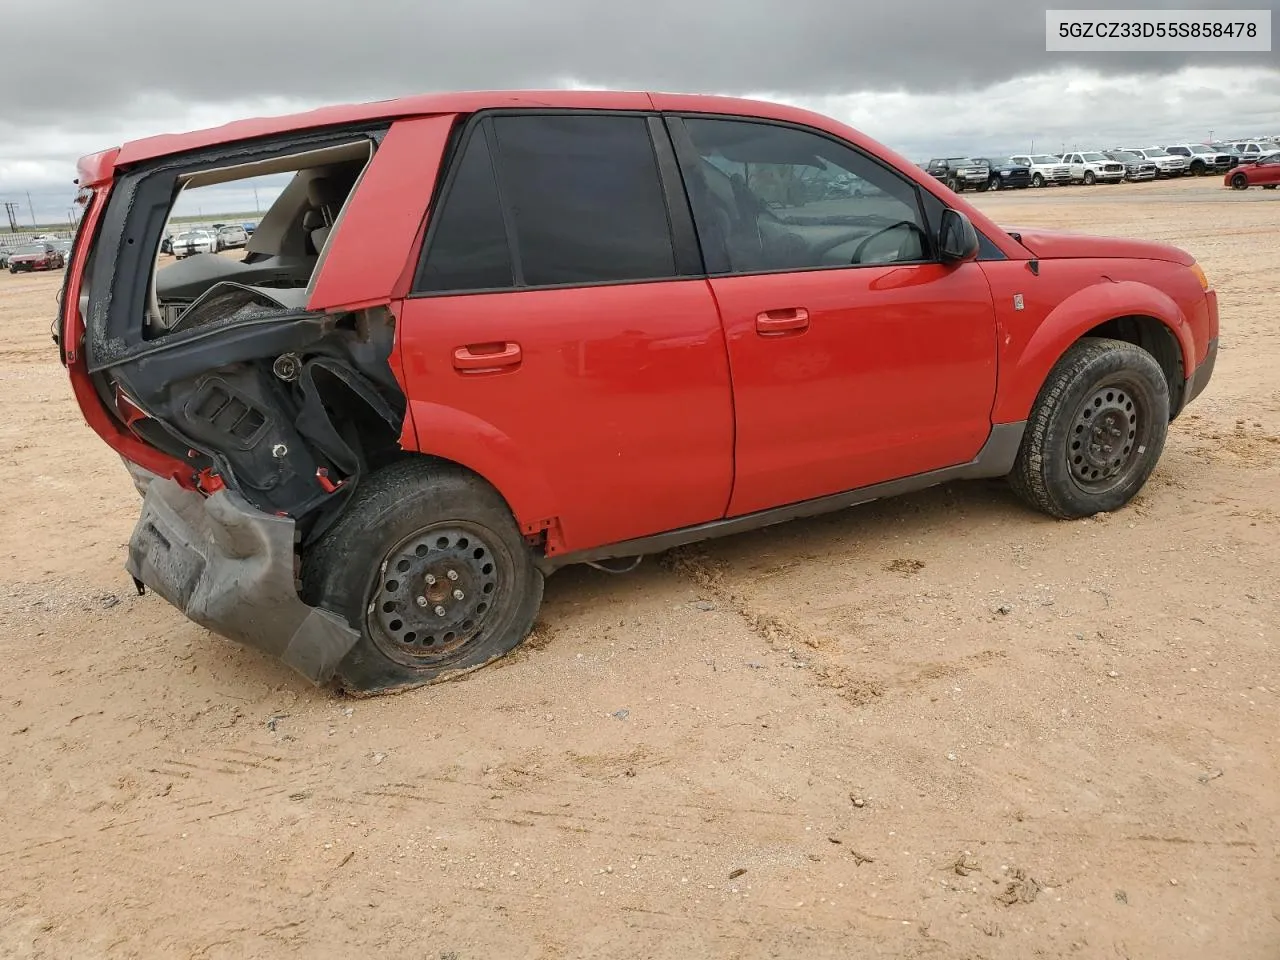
(481, 336)
(1091, 168)
(1167, 165)
(1005, 174)
(1201, 159)
(960, 173)
(1135, 167)
(1044, 168)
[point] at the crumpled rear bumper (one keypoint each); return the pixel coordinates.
(230, 568)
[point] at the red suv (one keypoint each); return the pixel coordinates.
(481, 336)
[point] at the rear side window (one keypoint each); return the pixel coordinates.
(585, 198)
(469, 249)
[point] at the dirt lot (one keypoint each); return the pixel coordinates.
(940, 726)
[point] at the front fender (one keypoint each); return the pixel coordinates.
(1027, 359)
(452, 434)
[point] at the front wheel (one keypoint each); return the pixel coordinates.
(427, 564)
(1037, 180)
(1090, 178)
(1240, 182)
(994, 184)
(1096, 430)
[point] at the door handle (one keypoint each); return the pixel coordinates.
(486, 357)
(789, 320)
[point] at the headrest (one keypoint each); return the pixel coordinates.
(322, 192)
(312, 220)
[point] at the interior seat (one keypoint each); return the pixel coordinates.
(326, 201)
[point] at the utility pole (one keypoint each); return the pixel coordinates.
(31, 208)
(257, 208)
(11, 208)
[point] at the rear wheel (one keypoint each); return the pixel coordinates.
(1096, 431)
(1240, 182)
(428, 565)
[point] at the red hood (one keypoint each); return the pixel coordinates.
(1061, 245)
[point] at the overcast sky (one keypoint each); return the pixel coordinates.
(924, 76)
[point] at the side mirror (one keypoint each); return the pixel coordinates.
(957, 239)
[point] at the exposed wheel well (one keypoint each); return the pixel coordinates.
(537, 540)
(1159, 341)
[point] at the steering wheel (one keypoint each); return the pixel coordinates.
(857, 251)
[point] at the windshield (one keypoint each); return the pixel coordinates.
(1157, 152)
(30, 250)
(191, 236)
(1045, 158)
(1199, 148)
(1001, 162)
(1093, 157)
(1121, 155)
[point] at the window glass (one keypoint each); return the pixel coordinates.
(585, 198)
(469, 249)
(774, 198)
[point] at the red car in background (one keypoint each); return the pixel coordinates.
(37, 256)
(1265, 173)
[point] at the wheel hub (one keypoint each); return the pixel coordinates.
(434, 592)
(1103, 437)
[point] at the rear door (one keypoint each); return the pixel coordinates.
(857, 356)
(560, 337)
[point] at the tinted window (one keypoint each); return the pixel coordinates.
(768, 197)
(468, 248)
(585, 199)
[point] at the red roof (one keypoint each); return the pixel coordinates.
(437, 103)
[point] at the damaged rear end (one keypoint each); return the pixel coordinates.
(247, 392)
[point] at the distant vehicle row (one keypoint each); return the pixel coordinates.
(1097, 166)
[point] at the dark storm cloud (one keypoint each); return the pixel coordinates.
(79, 57)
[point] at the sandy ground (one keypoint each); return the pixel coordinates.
(940, 726)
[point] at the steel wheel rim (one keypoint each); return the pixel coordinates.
(437, 593)
(1108, 437)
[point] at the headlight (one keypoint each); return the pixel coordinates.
(1199, 274)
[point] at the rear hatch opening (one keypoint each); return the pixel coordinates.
(214, 361)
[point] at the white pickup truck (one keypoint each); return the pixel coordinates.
(1167, 165)
(1091, 168)
(1045, 168)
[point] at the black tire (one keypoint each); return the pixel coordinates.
(1090, 178)
(994, 183)
(1197, 168)
(1239, 182)
(410, 528)
(1076, 459)
(1037, 180)
(1268, 186)
(955, 185)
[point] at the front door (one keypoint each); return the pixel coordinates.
(856, 356)
(559, 335)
